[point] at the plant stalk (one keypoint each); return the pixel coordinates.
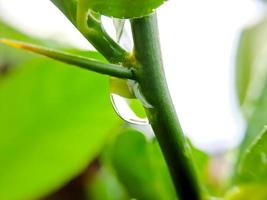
(161, 113)
(79, 61)
(89, 24)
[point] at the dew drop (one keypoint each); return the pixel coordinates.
(127, 101)
(131, 114)
(125, 95)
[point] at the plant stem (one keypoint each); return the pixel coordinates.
(82, 62)
(89, 24)
(161, 114)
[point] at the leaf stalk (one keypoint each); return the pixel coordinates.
(82, 62)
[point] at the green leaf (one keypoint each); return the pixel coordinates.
(54, 120)
(139, 163)
(256, 122)
(201, 161)
(140, 167)
(123, 8)
(252, 81)
(251, 67)
(247, 192)
(253, 165)
(243, 65)
(105, 186)
(10, 56)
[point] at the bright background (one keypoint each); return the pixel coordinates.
(199, 40)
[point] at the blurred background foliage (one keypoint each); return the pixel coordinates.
(61, 139)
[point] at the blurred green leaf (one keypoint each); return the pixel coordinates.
(8, 55)
(11, 56)
(251, 66)
(140, 167)
(139, 163)
(201, 160)
(54, 120)
(243, 65)
(105, 186)
(252, 81)
(247, 192)
(253, 165)
(124, 8)
(256, 122)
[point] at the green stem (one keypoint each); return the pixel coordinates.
(89, 24)
(161, 113)
(82, 62)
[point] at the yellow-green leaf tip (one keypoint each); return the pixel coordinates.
(11, 43)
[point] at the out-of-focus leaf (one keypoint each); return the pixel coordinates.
(253, 165)
(252, 81)
(243, 65)
(123, 8)
(139, 163)
(105, 186)
(256, 122)
(10, 55)
(201, 160)
(247, 192)
(54, 120)
(140, 166)
(251, 66)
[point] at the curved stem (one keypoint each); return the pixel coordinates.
(83, 62)
(161, 113)
(89, 24)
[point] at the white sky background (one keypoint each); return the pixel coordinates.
(198, 39)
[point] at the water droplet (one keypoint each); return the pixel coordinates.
(128, 109)
(125, 95)
(128, 101)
